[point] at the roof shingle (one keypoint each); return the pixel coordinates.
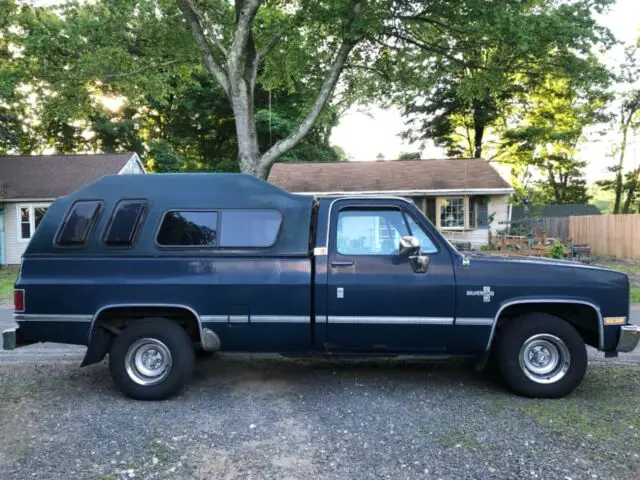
(52, 176)
(387, 176)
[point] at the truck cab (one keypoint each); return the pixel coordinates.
(157, 270)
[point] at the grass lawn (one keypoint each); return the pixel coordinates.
(7, 278)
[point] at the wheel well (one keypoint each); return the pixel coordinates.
(117, 318)
(583, 317)
(111, 321)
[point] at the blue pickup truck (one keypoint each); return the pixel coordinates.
(157, 270)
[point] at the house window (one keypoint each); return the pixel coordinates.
(29, 217)
(452, 212)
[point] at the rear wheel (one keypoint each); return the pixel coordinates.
(541, 355)
(151, 359)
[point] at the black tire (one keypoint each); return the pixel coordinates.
(520, 330)
(179, 346)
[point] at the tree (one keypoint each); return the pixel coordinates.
(547, 136)
(334, 29)
(125, 75)
(409, 156)
(627, 121)
(466, 64)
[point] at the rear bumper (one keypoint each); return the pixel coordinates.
(13, 338)
(629, 338)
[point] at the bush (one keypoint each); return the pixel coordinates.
(556, 250)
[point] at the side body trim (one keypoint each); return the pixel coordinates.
(474, 321)
(22, 317)
(548, 300)
(279, 319)
(393, 320)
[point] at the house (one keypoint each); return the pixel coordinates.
(463, 198)
(29, 184)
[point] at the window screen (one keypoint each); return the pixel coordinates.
(124, 223)
(250, 228)
(78, 223)
(188, 229)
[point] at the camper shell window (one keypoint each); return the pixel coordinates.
(79, 223)
(125, 223)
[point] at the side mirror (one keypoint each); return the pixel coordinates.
(409, 246)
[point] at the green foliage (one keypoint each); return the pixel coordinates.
(625, 183)
(125, 75)
(478, 59)
(601, 198)
(546, 138)
(556, 250)
(409, 156)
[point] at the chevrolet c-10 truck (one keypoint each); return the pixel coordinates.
(155, 270)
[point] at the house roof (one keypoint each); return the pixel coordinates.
(547, 211)
(398, 176)
(50, 176)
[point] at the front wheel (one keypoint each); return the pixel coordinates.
(541, 355)
(151, 359)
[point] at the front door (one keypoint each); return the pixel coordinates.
(376, 301)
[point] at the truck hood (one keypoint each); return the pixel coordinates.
(526, 260)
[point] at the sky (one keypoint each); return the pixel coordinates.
(364, 133)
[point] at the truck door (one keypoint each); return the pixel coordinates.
(377, 301)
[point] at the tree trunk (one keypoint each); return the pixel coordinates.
(619, 176)
(477, 140)
(631, 192)
(238, 79)
(557, 191)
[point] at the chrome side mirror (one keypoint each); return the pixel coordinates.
(409, 246)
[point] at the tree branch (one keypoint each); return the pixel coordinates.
(245, 14)
(142, 69)
(192, 16)
(286, 144)
(204, 23)
(274, 41)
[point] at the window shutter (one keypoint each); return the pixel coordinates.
(483, 214)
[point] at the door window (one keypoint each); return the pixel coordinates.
(370, 232)
(426, 244)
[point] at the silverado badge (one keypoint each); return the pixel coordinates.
(486, 293)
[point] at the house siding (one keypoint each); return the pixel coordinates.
(499, 207)
(14, 248)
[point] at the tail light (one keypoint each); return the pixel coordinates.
(18, 300)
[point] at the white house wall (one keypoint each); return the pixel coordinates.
(499, 207)
(13, 247)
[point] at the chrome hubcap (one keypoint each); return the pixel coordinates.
(544, 358)
(148, 361)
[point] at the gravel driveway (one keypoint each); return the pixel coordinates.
(267, 417)
(276, 418)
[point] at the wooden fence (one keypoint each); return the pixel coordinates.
(556, 227)
(608, 235)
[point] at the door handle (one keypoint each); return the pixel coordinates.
(342, 263)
